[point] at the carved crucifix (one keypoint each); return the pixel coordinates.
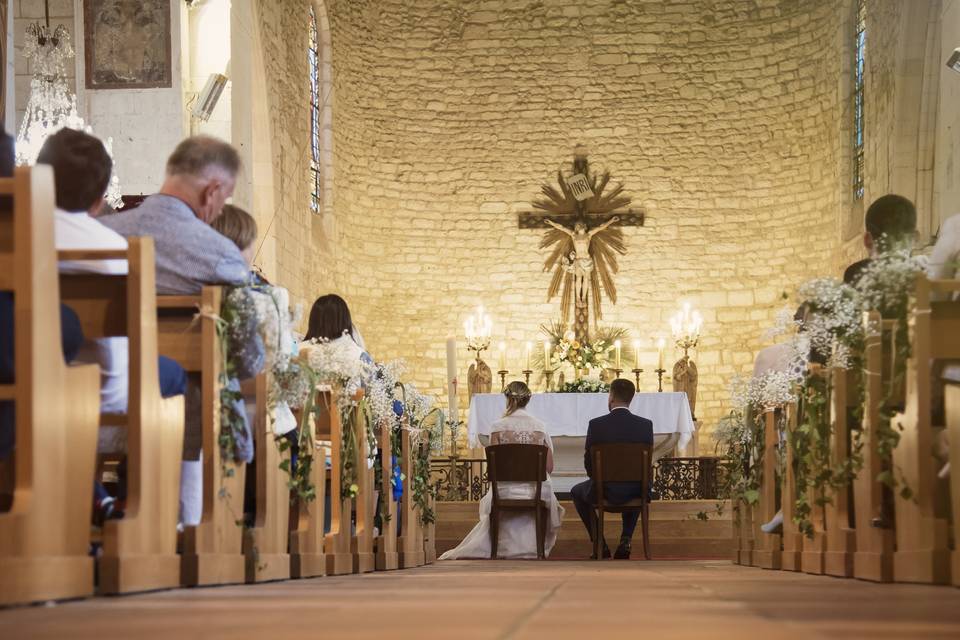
(584, 234)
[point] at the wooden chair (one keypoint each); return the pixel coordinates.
(45, 536)
(140, 550)
(766, 553)
(411, 526)
(840, 537)
(266, 543)
(790, 557)
(922, 553)
(212, 550)
(517, 463)
(873, 558)
(622, 463)
(387, 556)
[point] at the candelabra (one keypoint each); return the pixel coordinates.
(477, 330)
(503, 379)
(636, 376)
(526, 375)
(660, 373)
(616, 373)
(549, 376)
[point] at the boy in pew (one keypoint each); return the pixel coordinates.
(82, 169)
(890, 222)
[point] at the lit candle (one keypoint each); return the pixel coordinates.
(546, 355)
(503, 356)
(617, 345)
(636, 354)
(452, 378)
(661, 343)
(528, 350)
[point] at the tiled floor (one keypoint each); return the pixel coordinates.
(484, 599)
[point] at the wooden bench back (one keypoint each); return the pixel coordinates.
(44, 537)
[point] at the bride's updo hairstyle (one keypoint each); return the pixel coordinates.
(518, 396)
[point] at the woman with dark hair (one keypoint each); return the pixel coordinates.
(330, 321)
(518, 531)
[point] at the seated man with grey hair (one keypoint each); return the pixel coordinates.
(200, 177)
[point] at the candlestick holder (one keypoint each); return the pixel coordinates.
(636, 376)
(616, 373)
(526, 375)
(549, 376)
(660, 373)
(503, 379)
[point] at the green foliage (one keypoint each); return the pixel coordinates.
(584, 386)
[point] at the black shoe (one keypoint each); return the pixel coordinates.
(606, 553)
(623, 551)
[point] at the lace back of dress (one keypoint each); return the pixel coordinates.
(518, 437)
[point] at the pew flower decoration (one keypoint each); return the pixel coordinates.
(885, 283)
(834, 320)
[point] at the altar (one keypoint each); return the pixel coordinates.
(567, 416)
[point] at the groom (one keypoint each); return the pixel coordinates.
(618, 426)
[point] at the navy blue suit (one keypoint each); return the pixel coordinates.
(618, 426)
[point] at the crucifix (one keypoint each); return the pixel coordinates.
(584, 234)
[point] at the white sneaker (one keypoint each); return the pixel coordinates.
(774, 524)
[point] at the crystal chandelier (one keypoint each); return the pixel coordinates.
(52, 106)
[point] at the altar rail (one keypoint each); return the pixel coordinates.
(465, 479)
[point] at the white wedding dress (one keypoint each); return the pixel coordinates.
(518, 531)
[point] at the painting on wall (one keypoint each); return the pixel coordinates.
(127, 44)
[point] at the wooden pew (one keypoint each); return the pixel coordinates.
(952, 405)
(922, 553)
(411, 538)
(364, 507)
(873, 558)
(815, 545)
(840, 538)
(790, 559)
(387, 556)
(308, 558)
(266, 542)
(743, 540)
(213, 550)
(45, 536)
(766, 553)
(140, 550)
(337, 543)
(430, 535)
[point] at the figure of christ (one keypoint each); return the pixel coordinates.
(580, 261)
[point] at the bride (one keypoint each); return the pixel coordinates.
(517, 535)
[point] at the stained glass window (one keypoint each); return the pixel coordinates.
(860, 41)
(313, 57)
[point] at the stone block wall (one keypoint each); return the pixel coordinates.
(721, 118)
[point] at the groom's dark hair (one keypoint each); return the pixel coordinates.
(622, 390)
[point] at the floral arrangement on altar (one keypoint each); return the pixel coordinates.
(828, 334)
(591, 357)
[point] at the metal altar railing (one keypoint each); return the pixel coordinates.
(704, 478)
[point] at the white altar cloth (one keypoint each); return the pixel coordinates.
(569, 414)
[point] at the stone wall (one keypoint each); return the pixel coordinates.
(720, 117)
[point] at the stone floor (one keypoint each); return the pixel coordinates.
(485, 599)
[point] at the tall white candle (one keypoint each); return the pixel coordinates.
(636, 354)
(452, 378)
(661, 343)
(528, 350)
(503, 356)
(618, 346)
(546, 355)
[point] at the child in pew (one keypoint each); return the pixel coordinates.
(82, 169)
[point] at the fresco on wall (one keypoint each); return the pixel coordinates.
(127, 44)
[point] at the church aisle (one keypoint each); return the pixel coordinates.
(516, 600)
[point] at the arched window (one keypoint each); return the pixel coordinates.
(859, 48)
(313, 57)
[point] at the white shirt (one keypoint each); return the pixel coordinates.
(946, 253)
(81, 231)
